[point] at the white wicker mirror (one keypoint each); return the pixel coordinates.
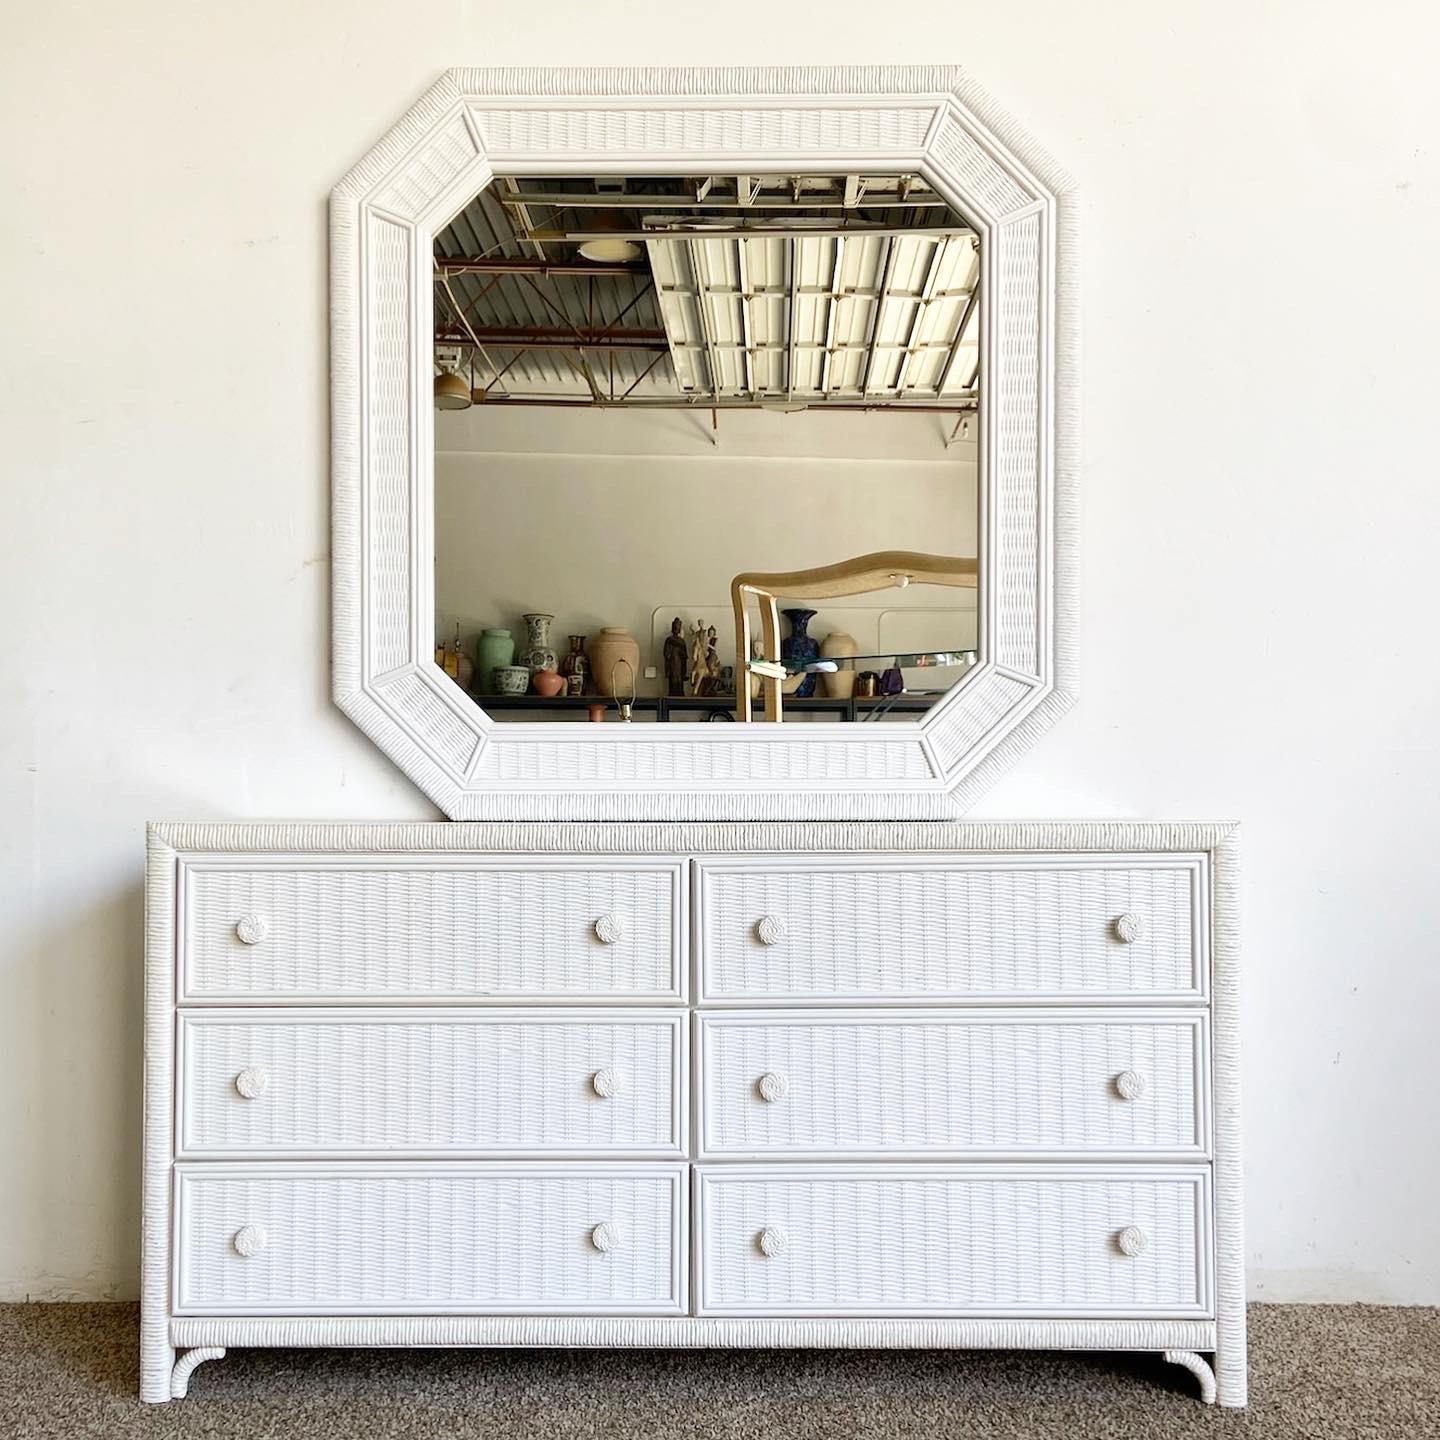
(474, 125)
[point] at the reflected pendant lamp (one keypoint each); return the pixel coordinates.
(451, 392)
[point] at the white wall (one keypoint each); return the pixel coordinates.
(604, 518)
(1261, 204)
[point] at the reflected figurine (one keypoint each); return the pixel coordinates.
(677, 669)
(698, 640)
(710, 681)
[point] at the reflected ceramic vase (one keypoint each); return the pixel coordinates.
(608, 649)
(839, 646)
(574, 665)
(800, 645)
(494, 650)
(538, 654)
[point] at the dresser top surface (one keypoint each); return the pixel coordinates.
(694, 838)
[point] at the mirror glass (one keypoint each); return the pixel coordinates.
(660, 397)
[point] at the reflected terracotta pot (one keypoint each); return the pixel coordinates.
(608, 649)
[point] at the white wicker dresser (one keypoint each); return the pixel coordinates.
(953, 1085)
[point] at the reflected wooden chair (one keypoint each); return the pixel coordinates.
(884, 570)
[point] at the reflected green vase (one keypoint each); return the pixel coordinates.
(493, 650)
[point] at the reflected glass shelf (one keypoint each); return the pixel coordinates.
(894, 659)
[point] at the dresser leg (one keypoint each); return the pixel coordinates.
(1199, 1367)
(180, 1375)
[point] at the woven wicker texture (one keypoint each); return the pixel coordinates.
(1004, 1243)
(421, 931)
(340, 1239)
(932, 930)
(924, 1240)
(730, 130)
(432, 169)
(449, 733)
(461, 1082)
(387, 558)
(1018, 501)
(674, 1332)
(944, 1084)
(703, 761)
(976, 720)
(986, 183)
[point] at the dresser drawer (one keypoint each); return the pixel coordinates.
(257, 928)
(918, 928)
(982, 1082)
(954, 1240)
(442, 1238)
(498, 1081)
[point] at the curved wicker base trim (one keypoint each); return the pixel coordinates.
(1199, 1367)
(180, 1375)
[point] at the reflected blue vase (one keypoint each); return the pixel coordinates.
(800, 645)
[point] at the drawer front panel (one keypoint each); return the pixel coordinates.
(939, 927)
(316, 1240)
(308, 931)
(953, 1240)
(350, 1082)
(919, 1082)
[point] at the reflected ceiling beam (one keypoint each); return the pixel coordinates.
(746, 338)
(682, 230)
(712, 358)
(959, 339)
(708, 200)
(882, 290)
(508, 337)
(580, 365)
(832, 311)
(922, 303)
(522, 214)
(645, 373)
(792, 256)
(503, 265)
(522, 337)
(958, 405)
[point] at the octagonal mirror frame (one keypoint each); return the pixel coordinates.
(473, 125)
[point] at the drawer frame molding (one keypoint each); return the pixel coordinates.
(479, 1017)
(669, 1175)
(171, 1346)
(1195, 1019)
(195, 869)
(711, 871)
(706, 1262)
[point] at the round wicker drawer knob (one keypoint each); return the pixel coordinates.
(771, 1241)
(1130, 1085)
(773, 1086)
(605, 1083)
(605, 1237)
(770, 930)
(1129, 928)
(251, 929)
(608, 929)
(253, 1081)
(1132, 1241)
(250, 1240)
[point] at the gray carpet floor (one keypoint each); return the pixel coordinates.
(1325, 1371)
